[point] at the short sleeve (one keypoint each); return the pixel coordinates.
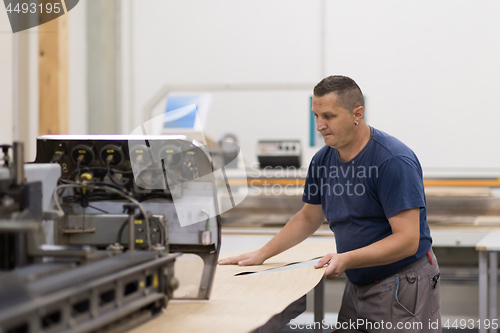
(311, 193)
(400, 185)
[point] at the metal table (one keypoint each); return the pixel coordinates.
(488, 248)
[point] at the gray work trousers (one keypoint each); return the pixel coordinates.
(407, 301)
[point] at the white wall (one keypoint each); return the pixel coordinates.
(21, 123)
(33, 95)
(77, 80)
(224, 41)
(429, 69)
(6, 82)
(430, 72)
(78, 69)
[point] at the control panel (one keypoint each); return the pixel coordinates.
(279, 153)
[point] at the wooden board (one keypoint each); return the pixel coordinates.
(53, 64)
(490, 242)
(244, 303)
(449, 191)
(493, 220)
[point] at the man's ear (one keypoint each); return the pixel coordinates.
(358, 113)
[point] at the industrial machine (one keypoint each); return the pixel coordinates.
(279, 153)
(130, 222)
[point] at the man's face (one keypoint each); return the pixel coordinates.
(335, 123)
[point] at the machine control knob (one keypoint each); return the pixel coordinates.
(173, 283)
(112, 155)
(5, 149)
(82, 154)
(171, 154)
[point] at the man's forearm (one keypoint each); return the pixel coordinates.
(386, 251)
(295, 231)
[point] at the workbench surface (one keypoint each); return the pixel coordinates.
(244, 303)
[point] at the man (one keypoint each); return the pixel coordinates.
(369, 187)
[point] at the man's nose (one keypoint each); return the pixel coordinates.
(320, 125)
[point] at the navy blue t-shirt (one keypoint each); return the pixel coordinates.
(359, 196)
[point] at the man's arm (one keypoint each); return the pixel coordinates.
(301, 226)
(402, 243)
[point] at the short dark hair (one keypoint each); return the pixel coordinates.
(348, 92)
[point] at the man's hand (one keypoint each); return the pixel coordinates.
(336, 265)
(247, 259)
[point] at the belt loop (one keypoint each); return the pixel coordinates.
(430, 257)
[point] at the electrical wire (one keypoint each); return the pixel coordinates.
(120, 231)
(207, 223)
(60, 211)
(100, 168)
(163, 233)
(78, 168)
(108, 172)
(99, 209)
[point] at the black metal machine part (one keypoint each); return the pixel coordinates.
(19, 201)
(71, 288)
(146, 155)
(89, 297)
(143, 168)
